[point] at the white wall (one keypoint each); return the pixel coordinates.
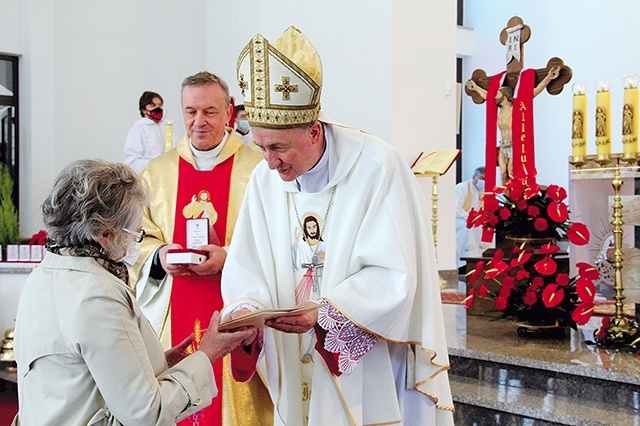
(10, 29)
(424, 102)
(352, 37)
(595, 39)
(83, 67)
(84, 64)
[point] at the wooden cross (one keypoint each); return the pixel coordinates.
(286, 89)
(552, 78)
(314, 266)
(515, 63)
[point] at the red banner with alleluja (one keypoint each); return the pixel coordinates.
(524, 162)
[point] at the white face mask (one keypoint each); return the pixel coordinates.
(131, 255)
(480, 185)
(243, 125)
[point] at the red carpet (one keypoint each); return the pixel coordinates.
(452, 297)
(8, 407)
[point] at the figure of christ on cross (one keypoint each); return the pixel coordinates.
(504, 101)
(552, 78)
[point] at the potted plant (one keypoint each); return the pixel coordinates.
(9, 223)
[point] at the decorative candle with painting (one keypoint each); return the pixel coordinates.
(603, 119)
(579, 121)
(630, 115)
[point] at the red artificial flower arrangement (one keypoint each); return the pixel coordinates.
(39, 238)
(533, 291)
(523, 209)
(529, 286)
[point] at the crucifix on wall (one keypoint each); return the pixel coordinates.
(510, 107)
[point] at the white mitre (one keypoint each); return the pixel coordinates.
(280, 81)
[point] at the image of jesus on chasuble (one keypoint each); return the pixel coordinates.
(201, 207)
(176, 306)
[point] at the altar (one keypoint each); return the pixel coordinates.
(591, 201)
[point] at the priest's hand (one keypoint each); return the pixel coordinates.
(216, 345)
(214, 263)
(296, 323)
(172, 269)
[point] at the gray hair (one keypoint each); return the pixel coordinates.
(205, 77)
(93, 198)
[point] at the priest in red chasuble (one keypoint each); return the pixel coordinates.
(201, 181)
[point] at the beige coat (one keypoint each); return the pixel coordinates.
(88, 356)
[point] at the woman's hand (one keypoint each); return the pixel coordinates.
(173, 269)
(178, 352)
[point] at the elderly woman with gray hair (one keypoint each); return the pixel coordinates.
(86, 354)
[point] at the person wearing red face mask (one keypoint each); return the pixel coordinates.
(145, 139)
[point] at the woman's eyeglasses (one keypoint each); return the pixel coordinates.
(139, 235)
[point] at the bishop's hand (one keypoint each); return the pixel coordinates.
(296, 323)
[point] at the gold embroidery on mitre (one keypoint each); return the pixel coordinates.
(242, 83)
(286, 88)
(299, 70)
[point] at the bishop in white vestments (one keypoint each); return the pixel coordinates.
(374, 352)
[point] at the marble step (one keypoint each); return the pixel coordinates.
(491, 388)
(560, 380)
(481, 403)
(502, 378)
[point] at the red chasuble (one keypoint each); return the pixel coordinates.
(195, 297)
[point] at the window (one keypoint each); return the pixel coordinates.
(459, 67)
(9, 129)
